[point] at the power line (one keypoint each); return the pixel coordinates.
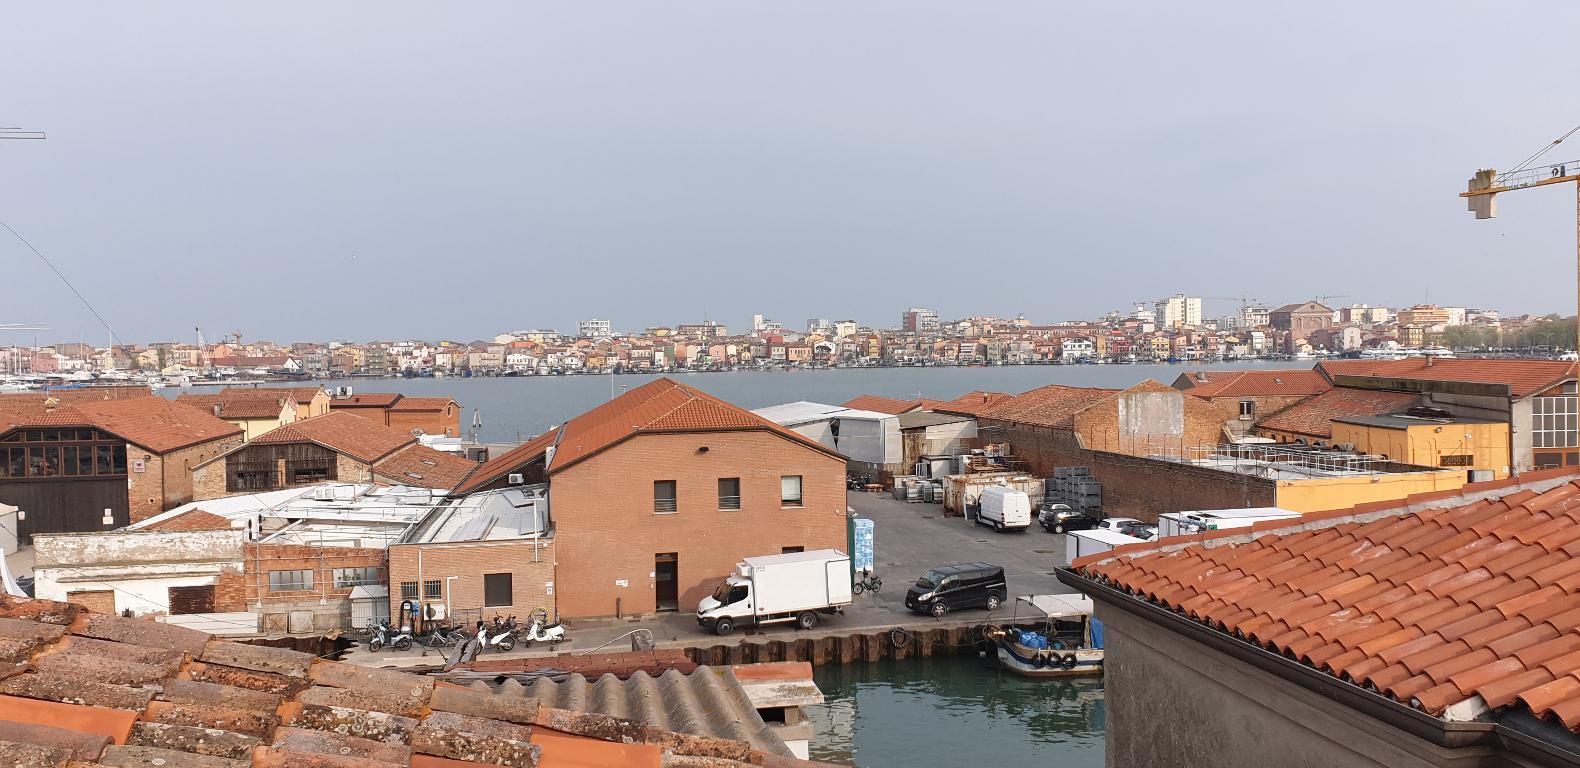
(74, 291)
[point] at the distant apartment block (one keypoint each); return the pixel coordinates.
(593, 329)
(1179, 311)
(918, 320)
(1429, 316)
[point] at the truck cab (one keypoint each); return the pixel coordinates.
(792, 587)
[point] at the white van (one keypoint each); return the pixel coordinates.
(1004, 508)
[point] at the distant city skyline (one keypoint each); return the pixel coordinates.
(404, 170)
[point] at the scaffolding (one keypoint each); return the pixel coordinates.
(1284, 461)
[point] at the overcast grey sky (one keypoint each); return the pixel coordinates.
(384, 170)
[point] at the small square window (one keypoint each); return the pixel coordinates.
(290, 581)
(432, 589)
(664, 496)
(790, 491)
(729, 493)
(408, 590)
(497, 591)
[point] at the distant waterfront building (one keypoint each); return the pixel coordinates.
(593, 329)
(1254, 317)
(1179, 311)
(704, 330)
(919, 320)
(1145, 315)
(758, 323)
(845, 328)
(818, 325)
(1430, 316)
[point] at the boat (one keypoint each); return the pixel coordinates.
(1068, 643)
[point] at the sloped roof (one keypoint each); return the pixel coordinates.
(1293, 382)
(972, 403)
(1524, 377)
(1428, 608)
(366, 400)
(888, 405)
(95, 689)
(1315, 416)
(1052, 406)
(420, 465)
(664, 405)
(191, 520)
(233, 407)
(507, 462)
(342, 432)
(421, 403)
(154, 423)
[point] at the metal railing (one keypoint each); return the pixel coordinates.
(1531, 176)
(729, 502)
(665, 505)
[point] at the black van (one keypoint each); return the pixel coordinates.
(951, 587)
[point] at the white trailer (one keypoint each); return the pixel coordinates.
(797, 587)
(1096, 541)
(1193, 522)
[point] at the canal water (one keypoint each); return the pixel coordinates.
(955, 711)
(517, 408)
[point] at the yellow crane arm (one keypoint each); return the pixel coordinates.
(1487, 183)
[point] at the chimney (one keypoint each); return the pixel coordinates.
(216, 410)
(1429, 360)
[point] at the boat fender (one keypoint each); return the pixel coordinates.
(1039, 660)
(1067, 661)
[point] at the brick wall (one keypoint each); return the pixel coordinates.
(166, 481)
(263, 558)
(531, 564)
(208, 481)
(349, 470)
(430, 422)
(230, 591)
(607, 530)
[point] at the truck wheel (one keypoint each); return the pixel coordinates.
(723, 627)
(938, 609)
(806, 620)
(1058, 528)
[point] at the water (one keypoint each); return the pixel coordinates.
(517, 408)
(955, 711)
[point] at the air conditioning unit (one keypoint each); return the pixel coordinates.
(323, 493)
(1346, 447)
(516, 478)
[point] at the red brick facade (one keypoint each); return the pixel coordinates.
(165, 481)
(460, 569)
(608, 533)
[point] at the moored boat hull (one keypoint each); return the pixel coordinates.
(1031, 662)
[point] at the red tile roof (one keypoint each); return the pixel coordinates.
(344, 433)
(154, 423)
(191, 520)
(507, 462)
(96, 689)
(886, 404)
(1292, 382)
(422, 403)
(1429, 608)
(239, 407)
(365, 400)
(661, 406)
(1315, 417)
(972, 403)
(419, 465)
(1524, 377)
(1052, 406)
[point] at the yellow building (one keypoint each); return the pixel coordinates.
(262, 409)
(1319, 494)
(1450, 443)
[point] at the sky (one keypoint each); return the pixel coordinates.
(308, 170)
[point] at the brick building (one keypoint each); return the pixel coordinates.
(432, 415)
(334, 447)
(1297, 321)
(1242, 397)
(260, 409)
(70, 461)
(658, 493)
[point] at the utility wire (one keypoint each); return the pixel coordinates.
(52, 268)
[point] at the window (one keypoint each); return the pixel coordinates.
(290, 581)
(1553, 421)
(497, 591)
(729, 493)
(1247, 409)
(346, 578)
(664, 496)
(791, 550)
(1456, 460)
(790, 491)
(432, 589)
(408, 590)
(47, 453)
(303, 471)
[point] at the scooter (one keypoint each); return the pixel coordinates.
(402, 641)
(540, 631)
(501, 638)
(379, 631)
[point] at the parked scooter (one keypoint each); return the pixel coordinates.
(379, 631)
(501, 637)
(540, 631)
(402, 640)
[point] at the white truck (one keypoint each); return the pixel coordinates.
(1193, 522)
(1004, 508)
(796, 586)
(1095, 541)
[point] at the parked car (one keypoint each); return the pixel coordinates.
(1117, 524)
(1058, 518)
(1143, 531)
(1004, 509)
(952, 587)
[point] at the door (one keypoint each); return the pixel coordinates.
(185, 600)
(97, 600)
(666, 581)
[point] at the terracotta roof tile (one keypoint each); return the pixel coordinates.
(419, 465)
(1052, 406)
(1524, 377)
(1294, 382)
(154, 423)
(354, 436)
(1470, 611)
(972, 403)
(892, 405)
(507, 462)
(422, 403)
(1314, 417)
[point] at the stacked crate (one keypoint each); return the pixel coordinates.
(1076, 487)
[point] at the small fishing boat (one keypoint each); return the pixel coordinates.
(1069, 641)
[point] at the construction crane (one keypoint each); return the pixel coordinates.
(12, 132)
(1324, 299)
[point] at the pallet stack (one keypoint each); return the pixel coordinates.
(1076, 487)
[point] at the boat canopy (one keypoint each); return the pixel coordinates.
(1059, 606)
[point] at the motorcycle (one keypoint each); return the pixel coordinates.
(502, 637)
(379, 631)
(540, 631)
(402, 641)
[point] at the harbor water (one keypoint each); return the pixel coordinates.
(955, 711)
(517, 408)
